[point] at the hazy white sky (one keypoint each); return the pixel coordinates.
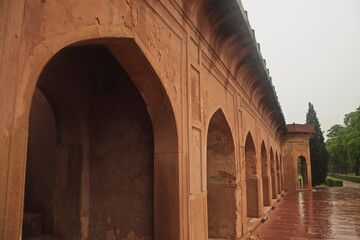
(312, 48)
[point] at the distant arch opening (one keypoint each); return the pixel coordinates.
(302, 172)
(252, 182)
(221, 175)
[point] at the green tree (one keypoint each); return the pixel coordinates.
(352, 138)
(337, 150)
(344, 144)
(318, 153)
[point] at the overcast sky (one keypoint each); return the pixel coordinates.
(312, 49)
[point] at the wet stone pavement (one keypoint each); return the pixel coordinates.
(322, 213)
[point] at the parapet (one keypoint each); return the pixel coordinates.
(300, 128)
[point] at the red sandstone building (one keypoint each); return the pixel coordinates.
(138, 120)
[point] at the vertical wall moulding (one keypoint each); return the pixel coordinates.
(194, 54)
(240, 163)
(195, 166)
(195, 93)
(197, 219)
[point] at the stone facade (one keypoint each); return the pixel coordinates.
(136, 119)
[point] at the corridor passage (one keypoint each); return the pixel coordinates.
(322, 213)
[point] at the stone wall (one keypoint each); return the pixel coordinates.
(187, 60)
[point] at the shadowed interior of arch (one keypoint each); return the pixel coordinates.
(252, 181)
(273, 175)
(90, 161)
(265, 176)
(278, 174)
(221, 177)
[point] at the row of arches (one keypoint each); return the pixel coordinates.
(221, 174)
(103, 149)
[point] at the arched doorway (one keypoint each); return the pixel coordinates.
(273, 175)
(302, 172)
(252, 181)
(265, 176)
(221, 176)
(116, 149)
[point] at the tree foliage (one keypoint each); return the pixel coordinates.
(318, 152)
(344, 144)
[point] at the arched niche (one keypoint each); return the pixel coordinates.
(273, 174)
(265, 176)
(252, 181)
(221, 178)
(278, 174)
(117, 144)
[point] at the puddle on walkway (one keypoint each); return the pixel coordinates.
(326, 213)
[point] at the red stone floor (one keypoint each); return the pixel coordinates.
(323, 213)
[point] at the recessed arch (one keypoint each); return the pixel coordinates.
(221, 176)
(273, 174)
(281, 173)
(278, 174)
(161, 115)
(252, 181)
(265, 175)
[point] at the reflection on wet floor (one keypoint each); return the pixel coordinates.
(324, 213)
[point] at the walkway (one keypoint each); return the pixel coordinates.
(324, 213)
(350, 184)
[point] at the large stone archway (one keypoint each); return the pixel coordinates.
(221, 179)
(162, 167)
(104, 164)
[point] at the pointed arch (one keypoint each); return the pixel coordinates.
(273, 174)
(264, 161)
(164, 152)
(221, 173)
(278, 174)
(251, 175)
(265, 175)
(282, 172)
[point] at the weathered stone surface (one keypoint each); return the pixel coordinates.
(139, 114)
